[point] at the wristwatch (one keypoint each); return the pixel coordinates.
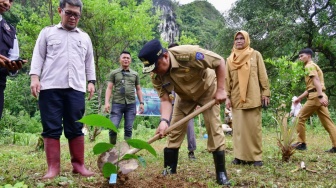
(142, 103)
(320, 96)
(92, 81)
(166, 120)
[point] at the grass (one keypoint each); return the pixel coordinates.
(21, 163)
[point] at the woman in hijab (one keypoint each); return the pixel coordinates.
(248, 90)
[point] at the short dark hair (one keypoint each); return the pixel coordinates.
(307, 51)
(125, 52)
(172, 45)
(76, 3)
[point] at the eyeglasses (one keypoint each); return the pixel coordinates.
(69, 14)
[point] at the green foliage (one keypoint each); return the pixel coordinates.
(140, 144)
(102, 147)
(92, 106)
(98, 121)
(185, 39)
(202, 24)
(20, 122)
(109, 169)
(32, 20)
(114, 26)
(285, 81)
(17, 185)
(18, 98)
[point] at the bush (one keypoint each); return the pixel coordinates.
(22, 123)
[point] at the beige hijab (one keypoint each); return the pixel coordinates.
(240, 60)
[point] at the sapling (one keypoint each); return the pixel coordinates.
(286, 137)
(100, 148)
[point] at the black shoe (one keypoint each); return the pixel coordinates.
(300, 146)
(236, 161)
(229, 133)
(258, 163)
(332, 150)
(191, 155)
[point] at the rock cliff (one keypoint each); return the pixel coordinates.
(168, 28)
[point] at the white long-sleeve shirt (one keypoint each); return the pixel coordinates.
(63, 59)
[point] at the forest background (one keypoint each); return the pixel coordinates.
(278, 29)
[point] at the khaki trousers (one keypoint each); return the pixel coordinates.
(213, 124)
(311, 106)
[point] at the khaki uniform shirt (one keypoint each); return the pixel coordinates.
(257, 85)
(124, 84)
(311, 70)
(190, 74)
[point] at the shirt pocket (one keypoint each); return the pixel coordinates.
(54, 47)
(254, 68)
(82, 49)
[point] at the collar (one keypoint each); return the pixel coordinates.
(122, 70)
(59, 26)
(173, 61)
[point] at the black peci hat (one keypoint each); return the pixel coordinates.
(149, 54)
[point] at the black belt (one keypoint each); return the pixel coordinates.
(312, 90)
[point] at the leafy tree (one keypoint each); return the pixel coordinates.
(283, 88)
(200, 20)
(18, 97)
(115, 26)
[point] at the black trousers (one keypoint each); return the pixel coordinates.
(61, 107)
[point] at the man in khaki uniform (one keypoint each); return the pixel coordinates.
(317, 101)
(197, 76)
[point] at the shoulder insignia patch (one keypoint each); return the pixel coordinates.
(199, 56)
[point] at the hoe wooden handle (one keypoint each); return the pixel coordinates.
(177, 124)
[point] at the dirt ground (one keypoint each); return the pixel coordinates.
(156, 181)
(190, 173)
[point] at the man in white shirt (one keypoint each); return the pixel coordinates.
(62, 65)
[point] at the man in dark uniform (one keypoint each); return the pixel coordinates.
(197, 76)
(121, 86)
(9, 50)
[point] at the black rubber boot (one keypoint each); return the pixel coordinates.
(221, 176)
(170, 160)
(113, 139)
